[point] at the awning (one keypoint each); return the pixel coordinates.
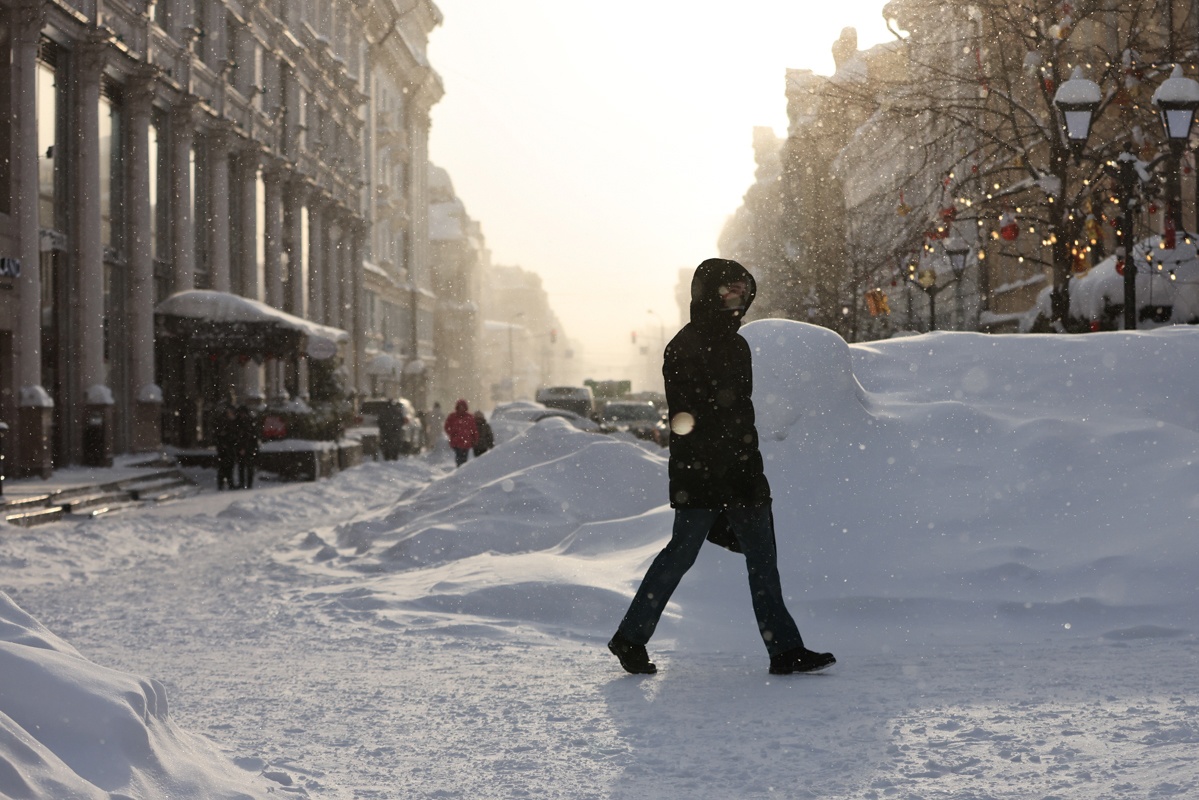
(383, 365)
(223, 321)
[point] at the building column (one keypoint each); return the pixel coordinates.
(147, 405)
(88, 344)
(183, 229)
(355, 318)
(335, 233)
(247, 168)
(34, 405)
(220, 145)
(274, 178)
(316, 257)
(293, 246)
(296, 379)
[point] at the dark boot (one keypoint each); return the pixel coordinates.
(632, 657)
(800, 659)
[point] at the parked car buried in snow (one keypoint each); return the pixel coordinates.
(578, 399)
(640, 418)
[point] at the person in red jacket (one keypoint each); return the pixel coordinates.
(463, 433)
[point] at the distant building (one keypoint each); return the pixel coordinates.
(524, 343)
(459, 258)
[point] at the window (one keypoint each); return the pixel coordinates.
(232, 72)
(112, 189)
(47, 130)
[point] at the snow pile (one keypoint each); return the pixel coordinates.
(1166, 278)
(955, 512)
(958, 485)
(70, 728)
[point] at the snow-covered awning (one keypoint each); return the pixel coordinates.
(383, 365)
(223, 309)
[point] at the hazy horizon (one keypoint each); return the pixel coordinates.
(604, 146)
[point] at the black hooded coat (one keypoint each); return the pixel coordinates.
(714, 458)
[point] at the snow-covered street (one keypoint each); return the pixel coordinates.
(995, 535)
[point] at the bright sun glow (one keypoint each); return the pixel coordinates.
(604, 145)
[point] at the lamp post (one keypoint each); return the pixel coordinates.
(926, 279)
(1078, 99)
(661, 341)
(1176, 100)
(512, 355)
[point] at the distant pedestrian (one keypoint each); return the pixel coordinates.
(248, 437)
(718, 485)
(433, 422)
(391, 430)
(462, 432)
(225, 436)
(486, 439)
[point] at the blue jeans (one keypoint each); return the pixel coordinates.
(460, 455)
(754, 529)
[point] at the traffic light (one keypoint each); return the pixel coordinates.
(633, 335)
(553, 335)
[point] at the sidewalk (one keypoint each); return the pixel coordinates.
(125, 467)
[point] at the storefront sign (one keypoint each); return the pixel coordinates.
(10, 267)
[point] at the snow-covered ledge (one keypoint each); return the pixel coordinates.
(34, 397)
(99, 395)
(150, 393)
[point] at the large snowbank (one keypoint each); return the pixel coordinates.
(995, 535)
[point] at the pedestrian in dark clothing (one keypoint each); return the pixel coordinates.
(225, 436)
(248, 437)
(391, 430)
(462, 432)
(486, 439)
(717, 484)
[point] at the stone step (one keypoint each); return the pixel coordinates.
(87, 503)
(32, 516)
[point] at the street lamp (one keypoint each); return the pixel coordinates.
(1078, 99)
(512, 355)
(926, 279)
(1176, 100)
(957, 250)
(661, 345)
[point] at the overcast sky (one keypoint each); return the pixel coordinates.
(603, 145)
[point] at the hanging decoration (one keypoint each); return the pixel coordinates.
(876, 303)
(1009, 228)
(903, 209)
(1169, 233)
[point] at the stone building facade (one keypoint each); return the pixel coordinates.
(275, 150)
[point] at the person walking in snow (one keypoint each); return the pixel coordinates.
(248, 438)
(718, 487)
(486, 439)
(225, 436)
(462, 432)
